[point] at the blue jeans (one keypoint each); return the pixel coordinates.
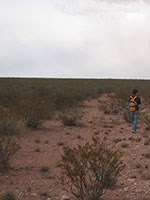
(135, 116)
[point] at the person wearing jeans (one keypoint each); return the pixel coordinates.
(135, 116)
(135, 113)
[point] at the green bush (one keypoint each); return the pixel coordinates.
(87, 171)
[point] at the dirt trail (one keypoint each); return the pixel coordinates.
(35, 169)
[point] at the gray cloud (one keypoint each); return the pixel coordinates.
(72, 38)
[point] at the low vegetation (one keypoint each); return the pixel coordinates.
(71, 117)
(87, 171)
(90, 169)
(8, 148)
(10, 130)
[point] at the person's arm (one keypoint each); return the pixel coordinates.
(138, 101)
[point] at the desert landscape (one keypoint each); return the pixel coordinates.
(73, 75)
(35, 168)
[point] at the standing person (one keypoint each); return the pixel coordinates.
(135, 101)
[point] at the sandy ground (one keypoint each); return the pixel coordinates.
(41, 149)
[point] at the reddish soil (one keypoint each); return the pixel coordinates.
(35, 172)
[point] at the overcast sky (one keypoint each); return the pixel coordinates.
(75, 38)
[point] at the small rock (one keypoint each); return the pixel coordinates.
(65, 198)
(126, 189)
(33, 194)
(131, 180)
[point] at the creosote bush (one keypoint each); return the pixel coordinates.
(64, 99)
(71, 116)
(9, 124)
(112, 106)
(87, 171)
(8, 148)
(35, 112)
(10, 130)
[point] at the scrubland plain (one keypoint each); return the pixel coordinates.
(40, 117)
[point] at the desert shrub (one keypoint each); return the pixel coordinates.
(87, 171)
(10, 128)
(71, 116)
(8, 148)
(64, 99)
(42, 91)
(35, 112)
(8, 196)
(9, 124)
(109, 106)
